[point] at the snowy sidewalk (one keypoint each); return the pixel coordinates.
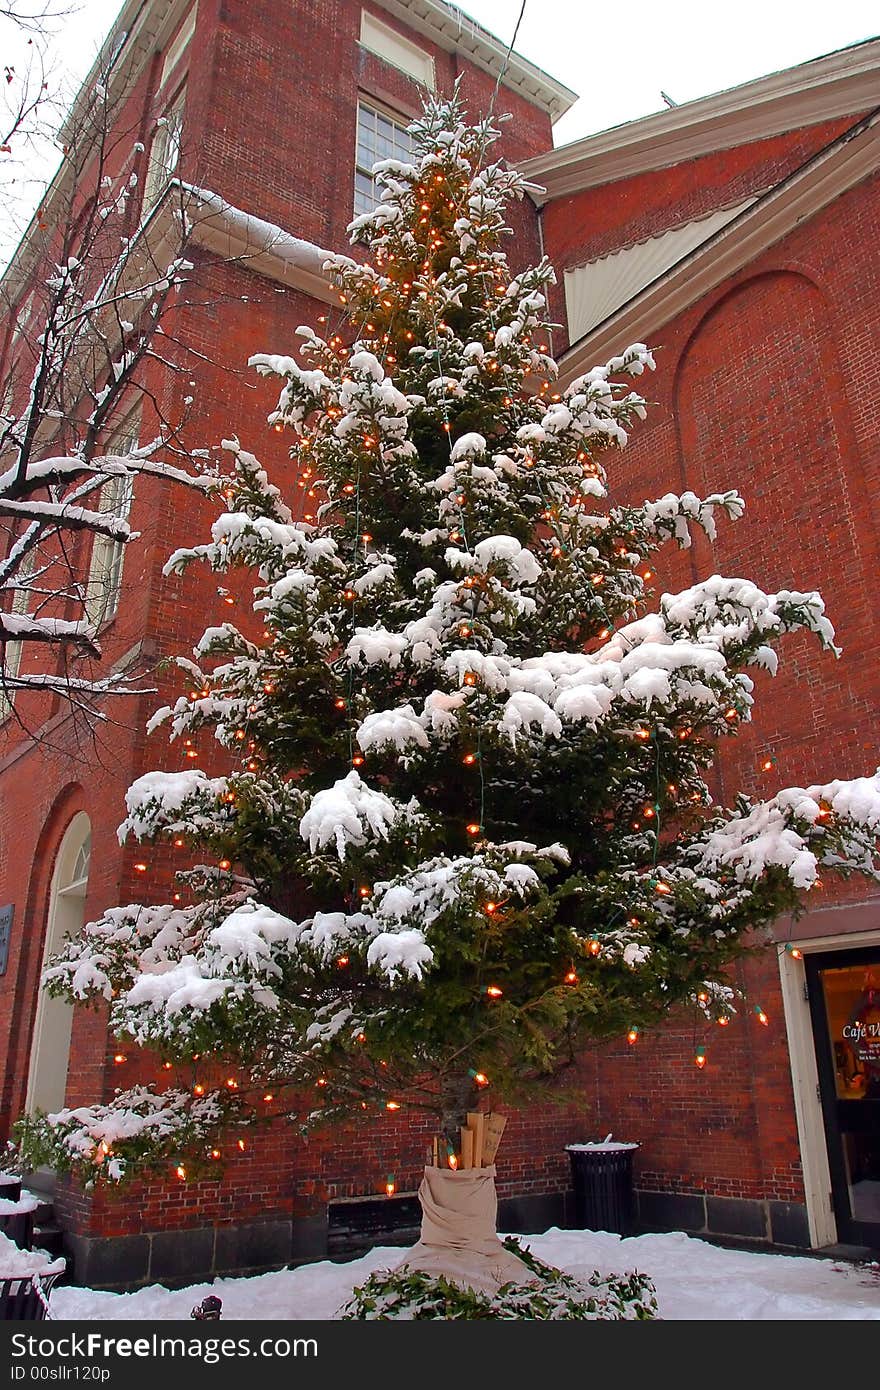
(694, 1280)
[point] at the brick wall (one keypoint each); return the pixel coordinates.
(766, 385)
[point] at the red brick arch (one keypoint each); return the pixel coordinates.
(31, 933)
(760, 402)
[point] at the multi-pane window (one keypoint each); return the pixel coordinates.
(165, 150)
(378, 137)
(105, 571)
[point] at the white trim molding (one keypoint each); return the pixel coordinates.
(451, 29)
(804, 1071)
(841, 84)
(233, 234)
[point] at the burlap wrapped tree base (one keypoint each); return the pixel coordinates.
(458, 1239)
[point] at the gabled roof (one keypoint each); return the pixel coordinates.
(843, 83)
(842, 164)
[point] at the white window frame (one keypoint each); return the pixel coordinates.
(104, 584)
(367, 138)
(165, 149)
(401, 53)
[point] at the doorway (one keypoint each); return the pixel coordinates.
(50, 1045)
(844, 997)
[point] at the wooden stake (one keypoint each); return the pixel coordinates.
(475, 1121)
(467, 1147)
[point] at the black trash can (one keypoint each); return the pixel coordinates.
(10, 1187)
(20, 1300)
(17, 1220)
(603, 1186)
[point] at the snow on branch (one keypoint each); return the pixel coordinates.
(798, 830)
(139, 1127)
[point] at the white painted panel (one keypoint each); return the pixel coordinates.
(596, 290)
(386, 43)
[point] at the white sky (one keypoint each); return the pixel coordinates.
(618, 57)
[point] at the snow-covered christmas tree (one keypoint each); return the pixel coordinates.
(467, 824)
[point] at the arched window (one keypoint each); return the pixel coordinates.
(50, 1048)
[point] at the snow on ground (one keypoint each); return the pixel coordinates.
(694, 1280)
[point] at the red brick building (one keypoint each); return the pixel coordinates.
(737, 234)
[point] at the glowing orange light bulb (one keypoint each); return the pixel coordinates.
(181, 1172)
(494, 992)
(473, 828)
(571, 977)
(119, 1057)
(392, 1105)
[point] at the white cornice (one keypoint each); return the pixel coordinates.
(841, 84)
(267, 250)
(456, 32)
(829, 174)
